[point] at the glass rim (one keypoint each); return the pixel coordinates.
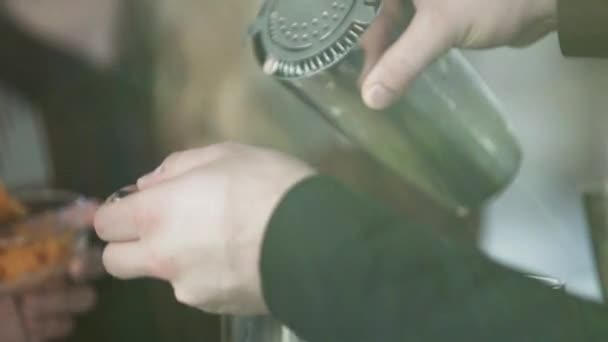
(52, 201)
(57, 218)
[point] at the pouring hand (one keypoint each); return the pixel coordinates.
(439, 25)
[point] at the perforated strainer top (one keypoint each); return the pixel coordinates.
(296, 38)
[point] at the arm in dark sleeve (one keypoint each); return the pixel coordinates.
(583, 27)
(338, 267)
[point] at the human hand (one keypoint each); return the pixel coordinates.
(198, 222)
(48, 312)
(439, 25)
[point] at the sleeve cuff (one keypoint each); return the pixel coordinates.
(302, 240)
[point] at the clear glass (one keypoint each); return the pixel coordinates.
(39, 247)
(41, 244)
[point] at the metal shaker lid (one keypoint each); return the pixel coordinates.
(297, 38)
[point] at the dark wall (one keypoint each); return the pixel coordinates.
(101, 128)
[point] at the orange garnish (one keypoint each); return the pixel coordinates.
(31, 246)
(10, 209)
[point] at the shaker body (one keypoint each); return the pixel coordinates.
(446, 135)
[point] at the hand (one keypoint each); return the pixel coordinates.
(198, 222)
(439, 25)
(48, 312)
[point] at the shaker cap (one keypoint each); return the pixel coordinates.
(297, 38)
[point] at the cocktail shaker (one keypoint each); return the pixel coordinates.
(445, 136)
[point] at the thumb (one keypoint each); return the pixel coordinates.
(377, 38)
(426, 38)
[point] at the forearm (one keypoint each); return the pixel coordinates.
(583, 27)
(336, 266)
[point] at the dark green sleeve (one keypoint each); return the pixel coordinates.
(336, 267)
(583, 27)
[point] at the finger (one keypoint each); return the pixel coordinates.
(87, 265)
(51, 329)
(126, 260)
(427, 37)
(80, 215)
(181, 162)
(377, 38)
(58, 303)
(124, 220)
(115, 222)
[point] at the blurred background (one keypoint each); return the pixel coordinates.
(94, 93)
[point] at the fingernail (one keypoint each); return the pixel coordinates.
(378, 97)
(147, 177)
(144, 179)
